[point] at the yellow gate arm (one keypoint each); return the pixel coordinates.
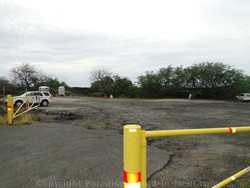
(232, 178)
(205, 131)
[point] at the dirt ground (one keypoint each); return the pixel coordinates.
(197, 161)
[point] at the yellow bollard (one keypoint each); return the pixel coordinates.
(132, 156)
(10, 109)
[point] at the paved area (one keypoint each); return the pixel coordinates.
(61, 156)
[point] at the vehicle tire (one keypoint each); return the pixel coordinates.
(44, 103)
(18, 103)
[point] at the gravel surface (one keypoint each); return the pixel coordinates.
(197, 161)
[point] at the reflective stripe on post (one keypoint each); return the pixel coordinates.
(132, 179)
(132, 156)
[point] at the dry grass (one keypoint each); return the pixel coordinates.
(3, 120)
(25, 119)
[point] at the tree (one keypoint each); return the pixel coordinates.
(103, 86)
(178, 82)
(29, 76)
(238, 83)
(150, 84)
(166, 75)
(99, 75)
(102, 82)
(123, 87)
(214, 79)
(207, 80)
(54, 84)
(26, 75)
(7, 88)
(172, 80)
(169, 81)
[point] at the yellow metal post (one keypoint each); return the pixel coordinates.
(132, 156)
(9, 109)
(232, 178)
(143, 159)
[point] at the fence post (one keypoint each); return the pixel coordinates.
(132, 156)
(10, 109)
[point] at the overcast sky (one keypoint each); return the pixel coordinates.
(71, 38)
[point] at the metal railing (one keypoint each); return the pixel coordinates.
(135, 144)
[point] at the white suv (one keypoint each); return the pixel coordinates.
(38, 97)
(243, 97)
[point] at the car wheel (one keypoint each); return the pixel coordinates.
(18, 103)
(44, 103)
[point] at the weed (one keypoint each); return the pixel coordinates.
(25, 119)
(3, 120)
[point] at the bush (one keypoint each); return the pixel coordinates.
(96, 94)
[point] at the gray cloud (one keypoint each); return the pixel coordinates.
(72, 55)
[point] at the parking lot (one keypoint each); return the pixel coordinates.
(68, 123)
